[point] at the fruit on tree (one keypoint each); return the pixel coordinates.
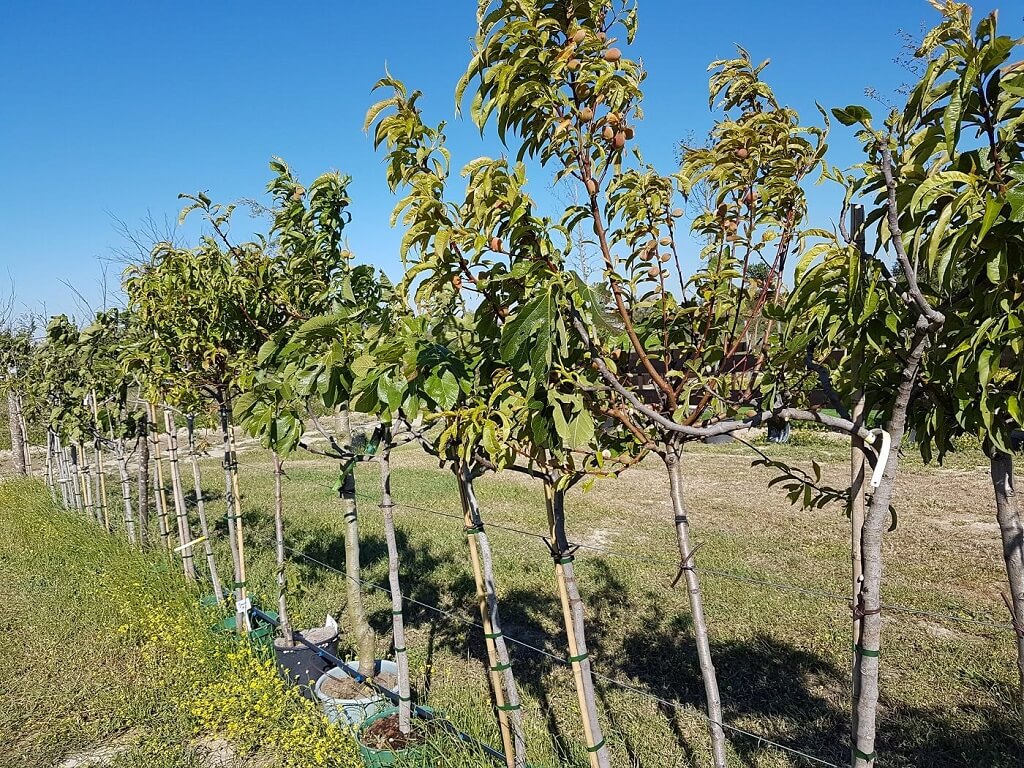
(495, 244)
(654, 271)
(742, 153)
(665, 257)
(612, 55)
(586, 114)
(620, 140)
(574, 64)
(666, 241)
(608, 133)
(579, 36)
(592, 186)
(677, 213)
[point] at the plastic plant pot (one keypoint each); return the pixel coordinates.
(418, 756)
(261, 635)
(302, 666)
(353, 711)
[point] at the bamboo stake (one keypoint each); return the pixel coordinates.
(50, 479)
(178, 494)
(101, 480)
(85, 479)
(506, 698)
(126, 493)
(27, 445)
(572, 615)
(234, 513)
(143, 479)
(282, 581)
(159, 491)
(211, 561)
(387, 506)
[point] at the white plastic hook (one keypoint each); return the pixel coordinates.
(883, 456)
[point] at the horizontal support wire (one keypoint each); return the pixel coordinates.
(605, 678)
(730, 575)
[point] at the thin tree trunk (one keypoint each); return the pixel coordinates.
(101, 480)
(506, 699)
(575, 630)
(211, 561)
(870, 598)
(84, 484)
(143, 442)
(361, 629)
(234, 512)
(856, 532)
(71, 460)
(50, 482)
(178, 492)
(159, 489)
(1011, 531)
(26, 444)
(282, 581)
(126, 493)
(712, 695)
(61, 471)
(17, 439)
(397, 617)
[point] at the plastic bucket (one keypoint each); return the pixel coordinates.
(261, 634)
(384, 758)
(302, 666)
(353, 711)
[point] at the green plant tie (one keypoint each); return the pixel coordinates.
(565, 560)
(473, 530)
(238, 584)
(405, 698)
(397, 613)
(492, 635)
(509, 707)
(866, 652)
(501, 667)
(399, 650)
(863, 755)
(581, 657)
(596, 746)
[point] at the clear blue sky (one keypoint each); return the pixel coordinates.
(110, 109)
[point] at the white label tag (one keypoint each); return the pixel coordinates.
(243, 606)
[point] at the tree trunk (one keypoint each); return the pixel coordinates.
(575, 630)
(26, 444)
(85, 481)
(51, 481)
(178, 492)
(71, 460)
(204, 527)
(61, 470)
(672, 457)
(397, 618)
(506, 699)
(361, 629)
(143, 442)
(870, 598)
(282, 582)
(856, 533)
(126, 492)
(159, 489)
(101, 478)
(1011, 531)
(17, 439)
(234, 512)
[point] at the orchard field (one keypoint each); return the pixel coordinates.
(627, 466)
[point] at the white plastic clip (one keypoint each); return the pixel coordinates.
(883, 456)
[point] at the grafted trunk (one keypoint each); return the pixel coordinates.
(234, 512)
(204, 527)
(575, 628)
(713, 698)
(870, 598)
(126, 493)
(178, 493)
(394, 583)
(856, 532)
(503, 681)
(282, 582)
(17, 437)
(362, 632)
(1011, 532)
(144, 485)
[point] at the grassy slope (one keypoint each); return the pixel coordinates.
(103, 648)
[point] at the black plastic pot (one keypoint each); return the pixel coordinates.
(301, 665)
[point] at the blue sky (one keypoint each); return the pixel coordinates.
(110, 109)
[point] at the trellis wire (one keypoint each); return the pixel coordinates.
(811, 591)
(610, 680)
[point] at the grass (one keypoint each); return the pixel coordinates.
(782, 656)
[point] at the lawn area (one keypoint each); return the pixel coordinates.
(782, 655)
